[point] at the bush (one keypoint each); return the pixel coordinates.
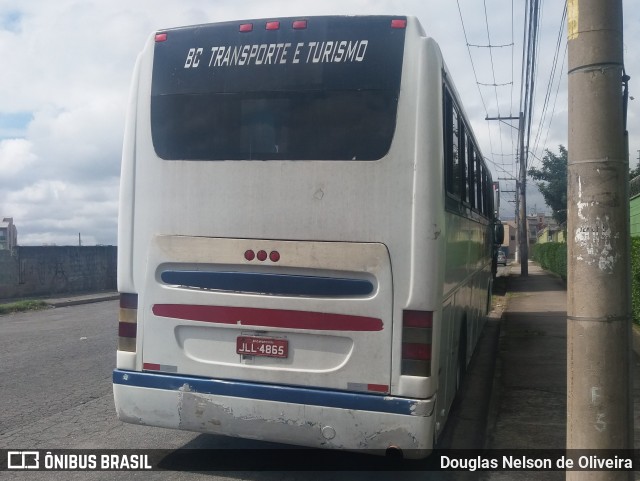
(635, 279)
(551, 256)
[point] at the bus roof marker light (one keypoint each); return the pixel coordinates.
(249, 255)
(275, 25)
(262, 256)
(398, 23)
(274, 256)
(161, 37)
(299, 24)
(246, 27)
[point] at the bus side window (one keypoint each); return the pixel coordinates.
(479, 175)
(471, 176)
(462, 148)
(452, 146)
(488, 207)
(478, 182)
(485, 200)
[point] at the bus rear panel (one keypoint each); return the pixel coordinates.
(281, 277)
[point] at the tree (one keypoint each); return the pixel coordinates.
(552, 183)
(633, 173)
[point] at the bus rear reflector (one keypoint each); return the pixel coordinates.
(417, 330)
(128, 322)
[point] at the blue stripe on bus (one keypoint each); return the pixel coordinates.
(267, 392)
(279, 284)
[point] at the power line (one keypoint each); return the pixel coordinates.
(551, 80)
(495, 85)
(473, 68)
(530, 73)
(544, 145)
(491, 44)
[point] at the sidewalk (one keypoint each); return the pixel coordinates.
(529, 405)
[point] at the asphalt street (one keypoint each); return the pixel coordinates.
(55, 385)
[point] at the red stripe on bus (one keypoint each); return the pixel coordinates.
(249, 316)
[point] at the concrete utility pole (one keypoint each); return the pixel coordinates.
(522, 197)
(599, 407)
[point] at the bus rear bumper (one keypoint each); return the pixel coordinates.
(292, 415)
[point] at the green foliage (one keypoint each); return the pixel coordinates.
(553, 182)
(21, 306)
(552, 256)
(635, 279)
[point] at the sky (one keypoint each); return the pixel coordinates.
(67, 67)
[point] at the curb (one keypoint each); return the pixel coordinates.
(67, 302)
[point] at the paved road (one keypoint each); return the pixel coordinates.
(55, 385)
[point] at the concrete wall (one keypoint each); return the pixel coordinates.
(44, 271)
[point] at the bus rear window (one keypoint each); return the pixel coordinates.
(325, 92)
(300, 125)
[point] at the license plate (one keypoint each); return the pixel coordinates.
(262, 346)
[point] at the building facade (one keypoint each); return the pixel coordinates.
(8, 234)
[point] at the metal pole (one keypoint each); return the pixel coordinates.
(599, 301)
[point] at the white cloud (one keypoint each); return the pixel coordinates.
(67, 65)
(15, 156)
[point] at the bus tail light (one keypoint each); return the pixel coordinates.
(299, 24)
(417, 329)
(128, 322)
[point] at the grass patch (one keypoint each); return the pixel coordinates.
(22, 306)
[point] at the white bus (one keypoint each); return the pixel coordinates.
(305, 234)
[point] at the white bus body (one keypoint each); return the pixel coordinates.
(306, 293)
